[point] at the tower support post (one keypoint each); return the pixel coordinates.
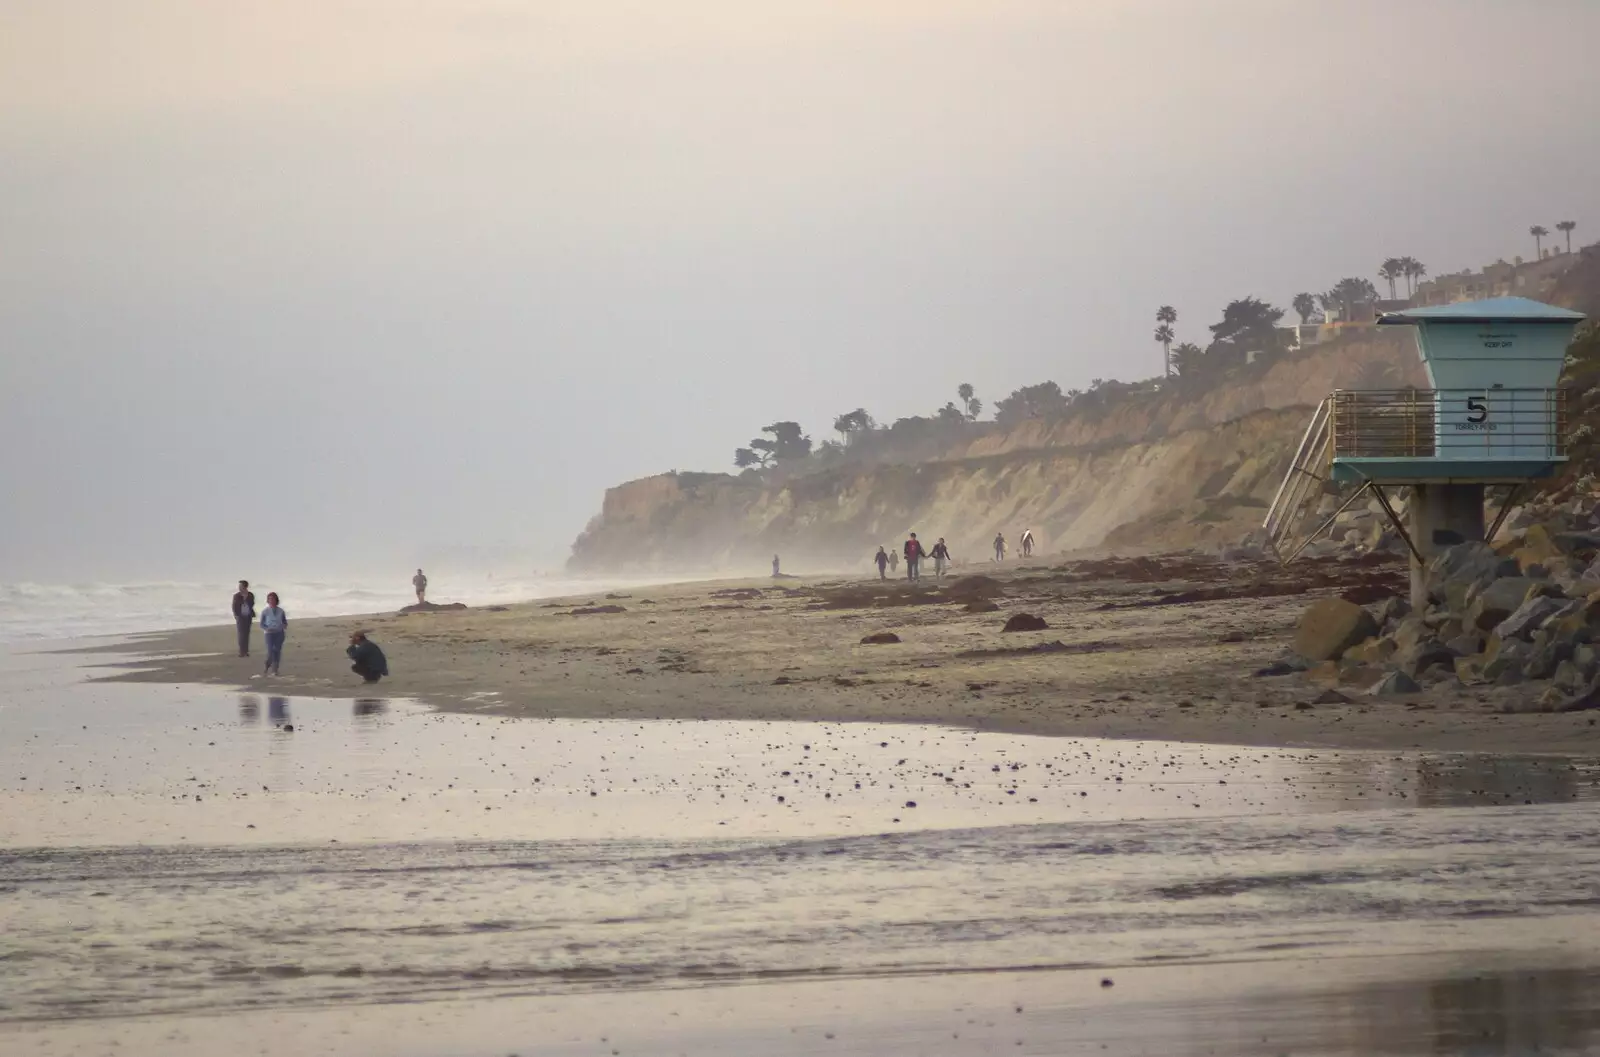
(1440, 516)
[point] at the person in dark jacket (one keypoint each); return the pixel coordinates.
(882, 559)
(913, 552)
(370, 663)
(941, 555)
(244, 615)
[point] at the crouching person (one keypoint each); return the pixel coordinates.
(370, 662)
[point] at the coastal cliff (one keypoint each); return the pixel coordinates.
(1156, 469)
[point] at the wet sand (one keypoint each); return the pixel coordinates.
(1343, 1008)
(1120, 659)
(182, 874)
(714, 822)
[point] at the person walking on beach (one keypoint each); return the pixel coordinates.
(941, 555)
(370, 663)
(894, 562)
(882, 560)
(274, 626)
(1027, 543)
(913, 558)
(420, 583)
(244, 615)
(775, 573)
(999, 547)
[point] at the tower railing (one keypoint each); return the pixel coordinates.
(1449, 423)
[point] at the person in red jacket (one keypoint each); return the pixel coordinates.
(913, 552)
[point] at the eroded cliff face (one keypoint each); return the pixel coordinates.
(1207, 485)
(1165, 471)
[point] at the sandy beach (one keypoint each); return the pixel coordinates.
(1157, 648)
(776, 839)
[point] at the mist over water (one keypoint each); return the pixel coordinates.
(44, 612)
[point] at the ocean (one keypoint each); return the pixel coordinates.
(45, 612)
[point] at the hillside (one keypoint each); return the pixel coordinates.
(1157, 469)
(1154, 467)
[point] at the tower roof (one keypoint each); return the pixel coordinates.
(1492, 310)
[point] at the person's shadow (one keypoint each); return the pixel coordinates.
(249, 709)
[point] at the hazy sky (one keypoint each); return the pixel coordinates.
(324, 283)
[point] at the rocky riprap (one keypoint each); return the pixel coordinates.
(1524, 611)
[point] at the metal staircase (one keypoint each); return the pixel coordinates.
(1301, 489)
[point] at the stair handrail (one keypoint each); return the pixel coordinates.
(1294, 490)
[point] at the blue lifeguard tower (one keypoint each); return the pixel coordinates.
(1494, 415)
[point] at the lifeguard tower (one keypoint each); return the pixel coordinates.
(1494, 415)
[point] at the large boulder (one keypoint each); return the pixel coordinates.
(1389, 611)
(1494, 602)
(1582, 544)
(1584, 699)
(1538, 547)
(1570, 676)
(968, 588)
(1411, 631)
(1394, 683)
(1467, 565)
(1372, 651)
(1550, 648)
(1503, 658)
(1529, 617)
(1329, 627)
(1418, 658)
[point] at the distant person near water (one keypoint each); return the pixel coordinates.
(274, 626)
(941, 555)
(420, 582)
(775, 571)
(914, 552)
(370, 663)
(881, 559)
(894, 562)
(1027, 543)
(999, 547)
(244, 615)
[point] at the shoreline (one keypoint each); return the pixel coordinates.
(1117, 660)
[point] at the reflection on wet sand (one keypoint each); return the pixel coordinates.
(1457, 781)
(243, 864)
(1507, 1013)
(365, 708)
(1339, 1008)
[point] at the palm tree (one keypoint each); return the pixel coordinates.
(1186, 358)
(1538, 231)
(1305, 304)
(1565, 227)
(1391, 270)
(1412, 269)
(1166, 315)
(1350, 292)
(974, 406)
(1164, 334)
